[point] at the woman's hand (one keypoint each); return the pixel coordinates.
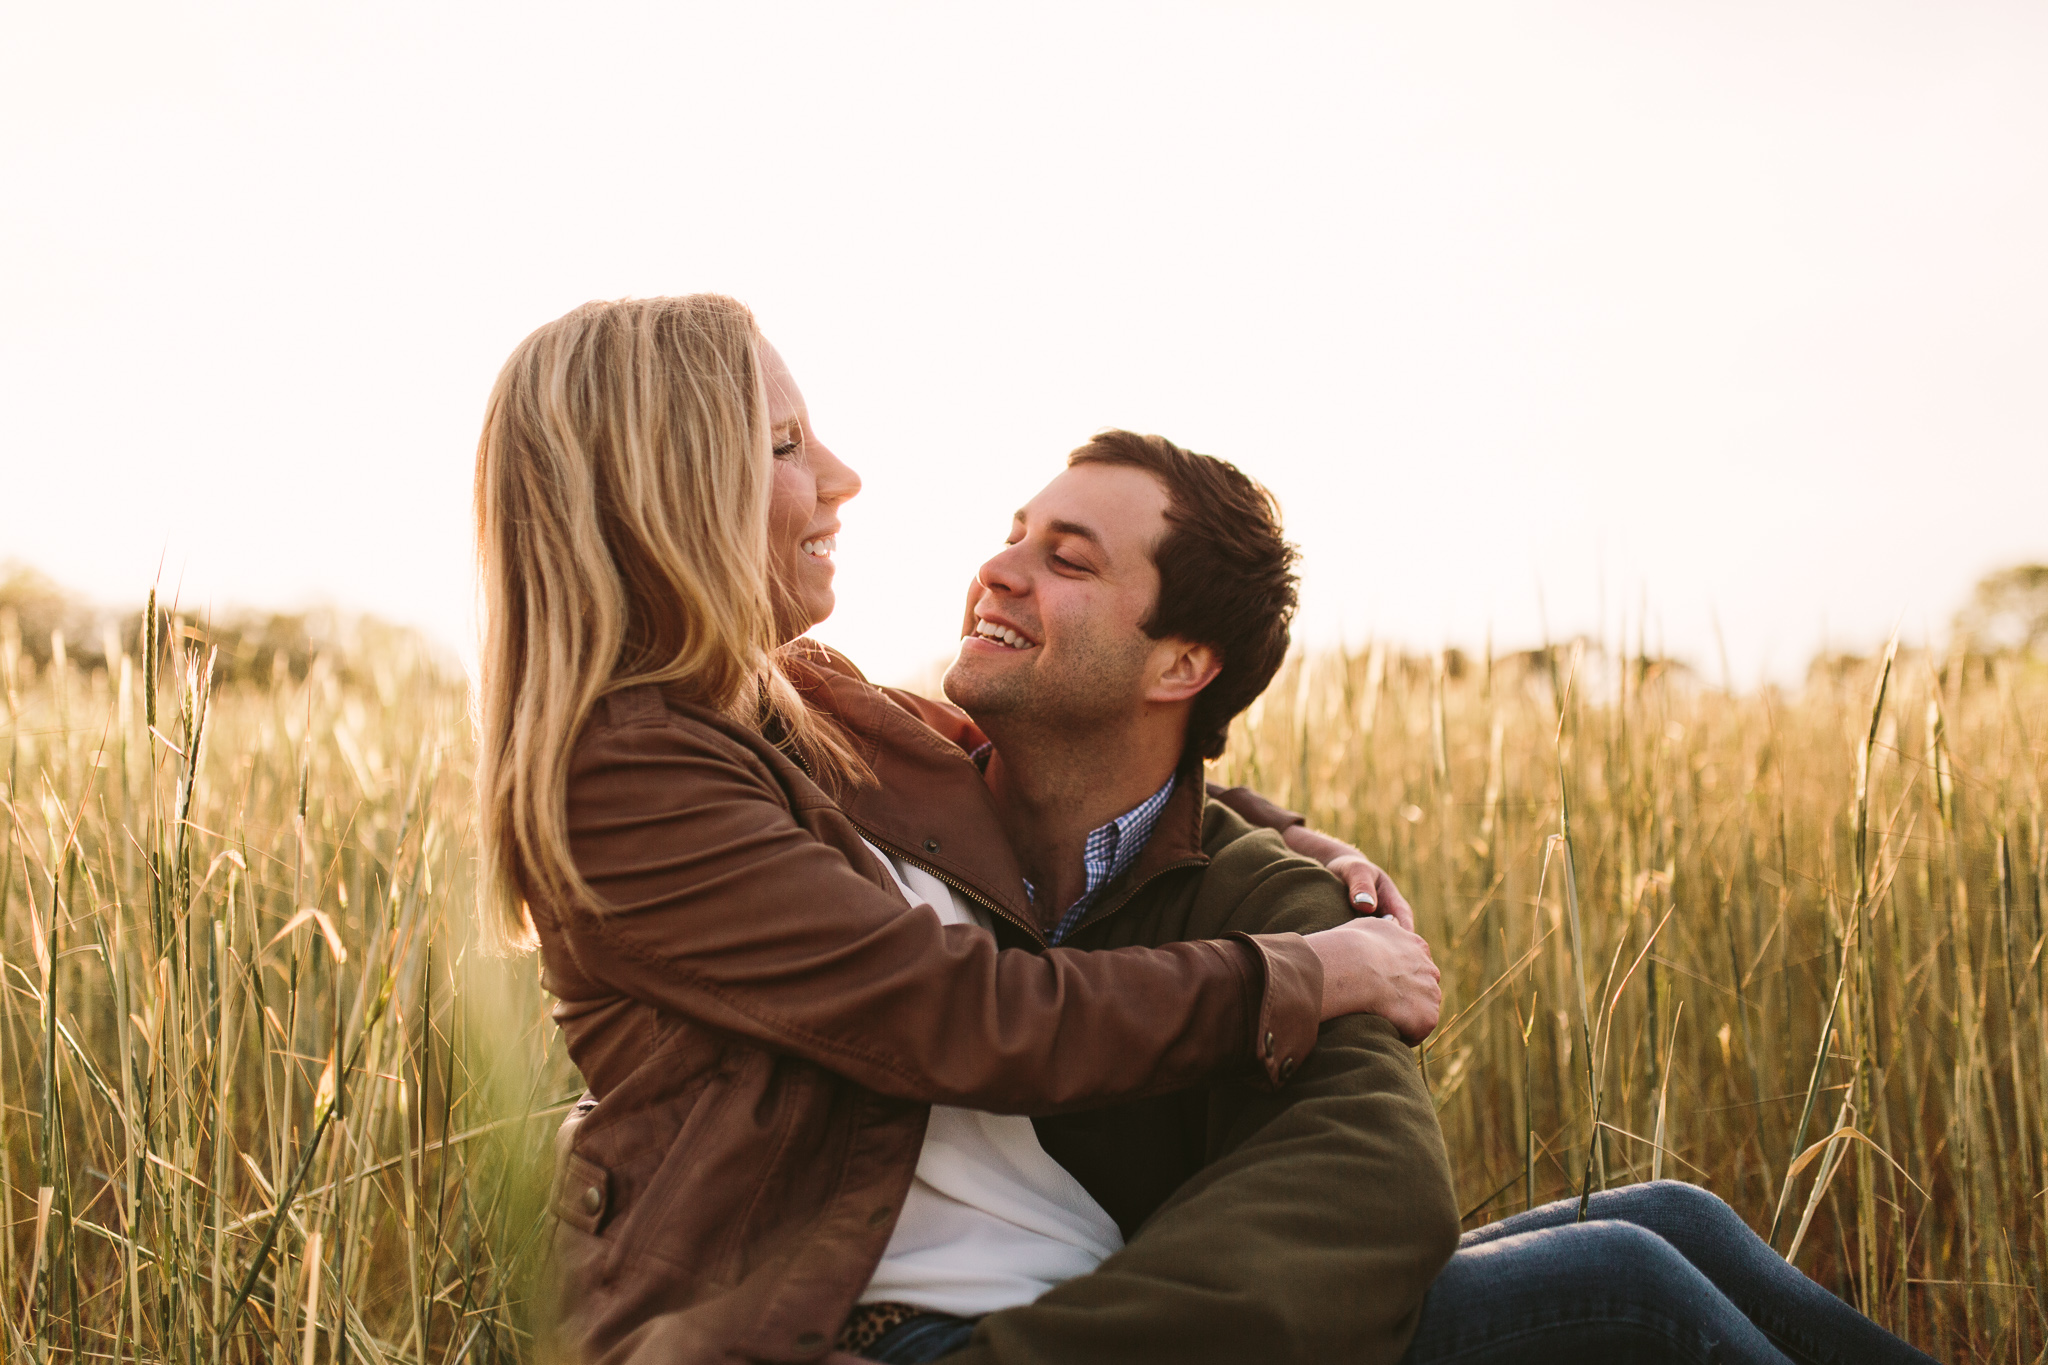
(1372, 890)
(1374, 966)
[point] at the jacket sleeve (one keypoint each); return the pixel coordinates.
(716, 904)
(943, 717)
(1311, 1235)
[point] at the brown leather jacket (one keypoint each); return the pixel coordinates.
(763, 1023)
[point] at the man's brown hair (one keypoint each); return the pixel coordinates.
(1226, 573)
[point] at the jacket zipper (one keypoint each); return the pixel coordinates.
(979, 899)
(796, 756)
(954, 882)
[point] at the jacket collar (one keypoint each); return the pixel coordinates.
(1176, 842)
(928, 801)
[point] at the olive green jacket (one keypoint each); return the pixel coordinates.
(1302, 1224)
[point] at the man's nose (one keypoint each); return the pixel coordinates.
(1003, 571)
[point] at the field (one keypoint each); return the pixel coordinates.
(265, 1098)
(1786, 946)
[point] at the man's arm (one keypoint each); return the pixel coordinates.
(1372, 891)
(1322, 1215)
(1311, 1238)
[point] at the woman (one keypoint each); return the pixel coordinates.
(762, 1023)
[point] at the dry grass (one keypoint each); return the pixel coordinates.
(1791, 949)
(264, 1100)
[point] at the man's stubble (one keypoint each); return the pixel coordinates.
(1093, 686)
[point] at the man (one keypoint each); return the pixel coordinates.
(1142, 601)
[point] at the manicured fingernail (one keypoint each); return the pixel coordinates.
(1364, 898)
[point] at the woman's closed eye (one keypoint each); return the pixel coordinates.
(786, 450)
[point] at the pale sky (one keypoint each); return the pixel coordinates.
(1737, 309)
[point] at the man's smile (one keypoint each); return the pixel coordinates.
(1001, 633)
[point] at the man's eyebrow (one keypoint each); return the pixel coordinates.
(1075, 528)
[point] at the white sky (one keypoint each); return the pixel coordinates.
(1735, 308)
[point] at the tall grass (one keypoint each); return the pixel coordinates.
(262, 1097)
(1788, 945)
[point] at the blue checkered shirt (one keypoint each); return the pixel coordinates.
(1109, 852)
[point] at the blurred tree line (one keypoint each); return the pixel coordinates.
(2007, 614)
(37, 617)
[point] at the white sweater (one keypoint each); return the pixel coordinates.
(991, 1221)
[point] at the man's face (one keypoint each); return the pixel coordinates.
(1053, 630)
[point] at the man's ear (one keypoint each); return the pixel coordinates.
(1184, 671)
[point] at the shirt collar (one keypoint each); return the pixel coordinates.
(1109, 852)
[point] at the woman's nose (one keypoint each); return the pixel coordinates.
(835, 477)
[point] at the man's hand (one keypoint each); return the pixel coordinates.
(1374, 966)
(1372, 890)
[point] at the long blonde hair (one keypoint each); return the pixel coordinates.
(622, 488)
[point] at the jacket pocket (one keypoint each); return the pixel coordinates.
(583, 1194)
(686, 1185)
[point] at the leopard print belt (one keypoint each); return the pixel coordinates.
(871, 1322)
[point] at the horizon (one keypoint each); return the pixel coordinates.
(238, 619)
(1719, 327)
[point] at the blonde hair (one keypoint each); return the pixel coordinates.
(622, 488)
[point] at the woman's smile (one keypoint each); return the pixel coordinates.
(810, 482)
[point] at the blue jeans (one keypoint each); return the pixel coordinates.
(1658, 1272)
(924, 1337)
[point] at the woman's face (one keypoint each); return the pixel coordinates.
(803, 508)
